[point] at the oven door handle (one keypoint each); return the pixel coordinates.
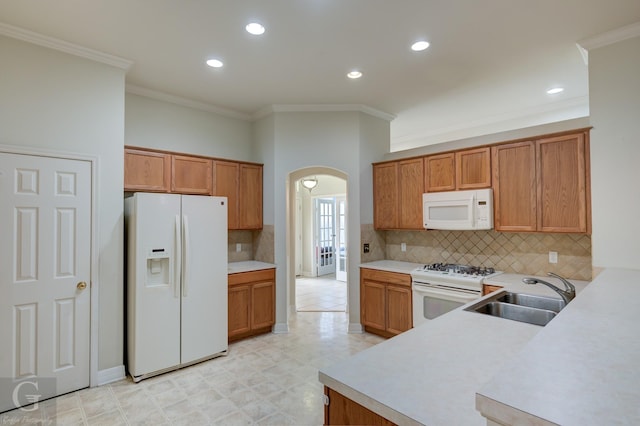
(448, 294)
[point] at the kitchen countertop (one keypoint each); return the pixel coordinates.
(248, 266)
(391, 266)
(430, 374)
(583, 368)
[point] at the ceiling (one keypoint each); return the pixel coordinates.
(487, 70)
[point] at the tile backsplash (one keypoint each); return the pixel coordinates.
(524, 253)
(254, 245)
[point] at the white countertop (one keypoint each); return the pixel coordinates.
(391, 266)
(430, 374)
(583, 368)
(248, 266)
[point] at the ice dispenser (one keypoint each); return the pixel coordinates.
(158, 267)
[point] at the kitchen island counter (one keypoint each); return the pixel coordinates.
(430, 374)
(583, 368)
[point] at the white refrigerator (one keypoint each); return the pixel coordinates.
(176, 281)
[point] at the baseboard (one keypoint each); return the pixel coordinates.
(355, 328)
(281, 328)
(111, 375)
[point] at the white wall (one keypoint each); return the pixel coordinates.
(614, 86)
(152, 123)
(55, 101)
(345, 141)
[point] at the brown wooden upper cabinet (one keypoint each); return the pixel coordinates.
(191, 175)
(157, 171)
(466, 169)
(398, 188)
(440, 172)
(153, 171)
(146, 171)
(241, 183)
(250, 196)
(543, 185)
(473, 168)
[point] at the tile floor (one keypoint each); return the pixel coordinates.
(266, 380)
(321, 294)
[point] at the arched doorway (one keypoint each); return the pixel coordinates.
(316, 240)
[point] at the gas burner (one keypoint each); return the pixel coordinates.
(452, 268)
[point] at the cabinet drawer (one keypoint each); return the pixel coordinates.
(386, 277)
(253, 276)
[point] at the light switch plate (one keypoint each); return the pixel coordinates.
(403, 246)
(553, 257)
(238, 247)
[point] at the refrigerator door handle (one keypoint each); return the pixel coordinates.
(176, 259)
(185, 259)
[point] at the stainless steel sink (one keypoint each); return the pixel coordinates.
(540, 302)
(517, 312)
(537, 310)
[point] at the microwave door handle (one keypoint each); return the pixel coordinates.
(473, 210)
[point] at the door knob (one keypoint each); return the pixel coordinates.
(81, 285)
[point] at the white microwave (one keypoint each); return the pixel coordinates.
(458, 210)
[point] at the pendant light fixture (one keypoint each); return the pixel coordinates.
(310, 183)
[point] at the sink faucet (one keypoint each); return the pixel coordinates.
(567, 294)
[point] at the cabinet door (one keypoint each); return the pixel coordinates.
(344, 411)
(239, 310)
(399, 309)
(250, 197)
(385, 196)
(226, 185)
(263, 301)
(411, 187)
(473, 168)
(562, 186)
(373, 304)
(190, 175)
(440, 172)
(146, 171)
(514, 186)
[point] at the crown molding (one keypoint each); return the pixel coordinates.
(322, 108)
(611, 37)
(165, 97)
(542, 114)
(64, 46)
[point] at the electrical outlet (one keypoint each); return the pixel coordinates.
(365, 247)
(238, 247)
(553, 257)
(403, 246)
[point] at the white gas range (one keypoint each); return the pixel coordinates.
(442, 287)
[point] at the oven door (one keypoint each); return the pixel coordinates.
(431, 301)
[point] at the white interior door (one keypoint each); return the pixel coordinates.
(341, 239)
(45, 257)
(325, 236)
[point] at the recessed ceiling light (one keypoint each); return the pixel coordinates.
(555, 90)
(215, 63)
(354, 74)
(255, 28)
(419, 45)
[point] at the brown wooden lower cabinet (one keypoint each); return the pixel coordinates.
(343, 411)
(488, 288)
(251, 303)
(385, 302)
